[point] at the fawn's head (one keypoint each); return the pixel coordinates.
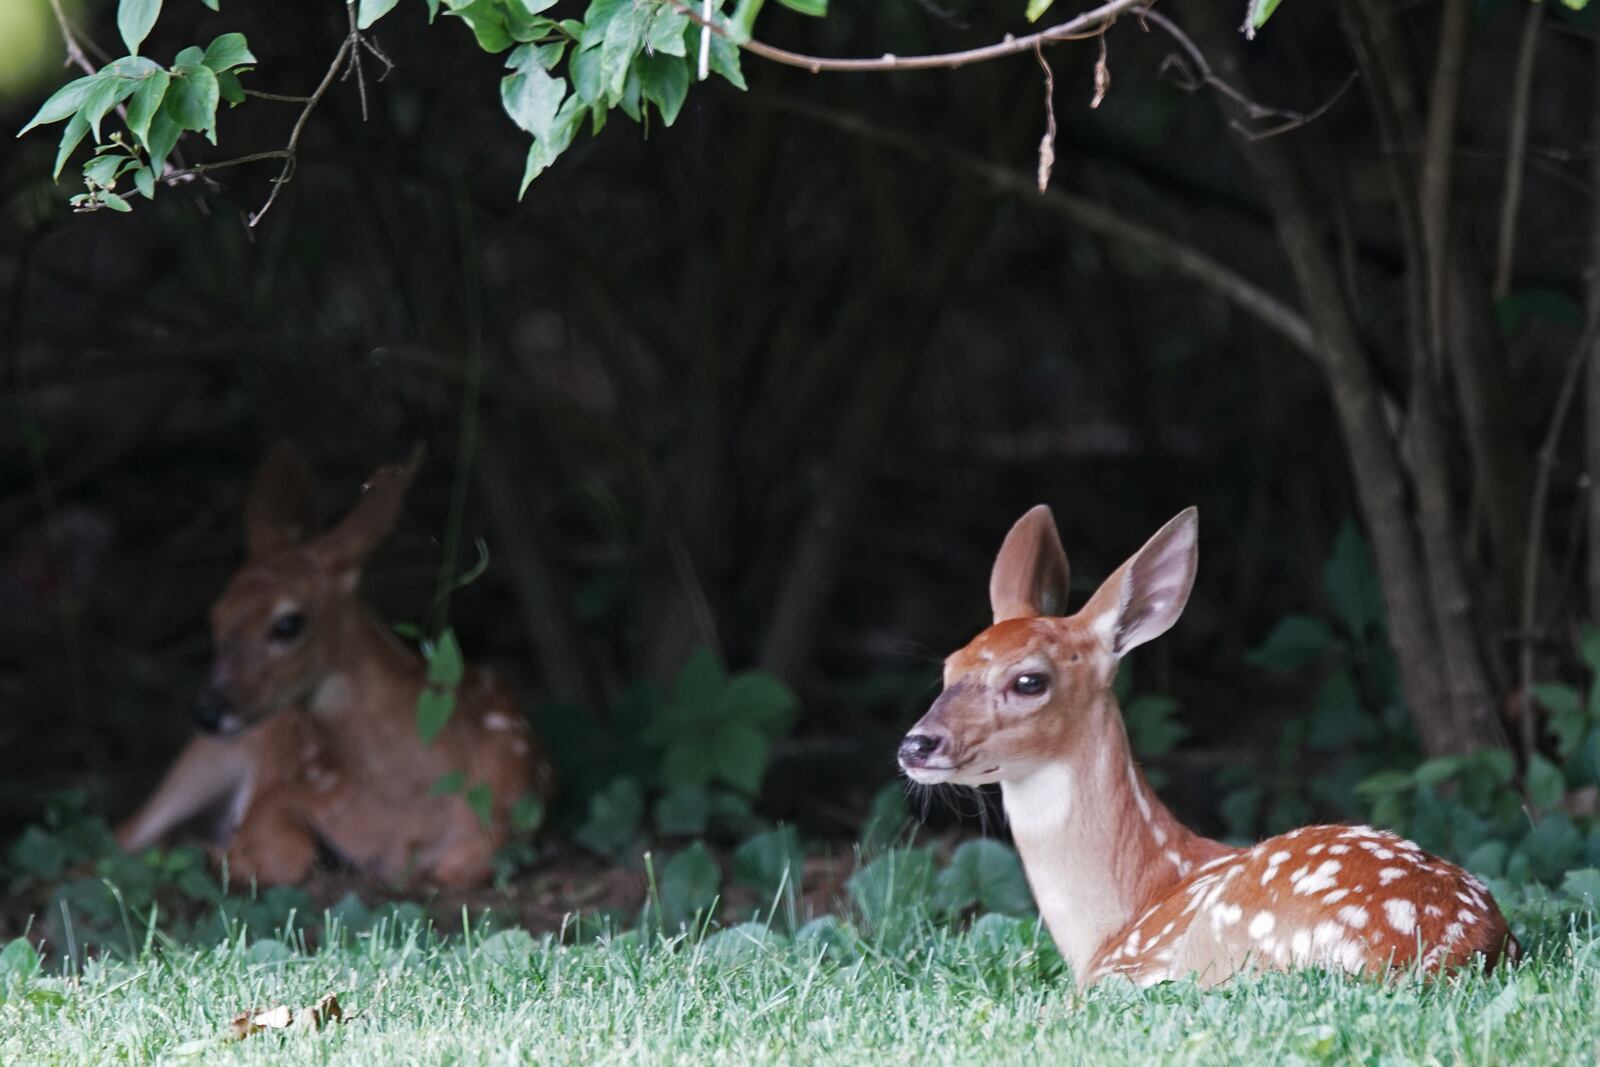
(273, 627)
(1018, 695)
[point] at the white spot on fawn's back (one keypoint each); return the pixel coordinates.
(1262, 924)
(1390, 874)
(1320, 879)
(1402, 914)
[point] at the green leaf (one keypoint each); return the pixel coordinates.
(71, 136)
(771, 862)
(584, 69)
(615, 813)
(115, 202)
(597, 19)
(624, 39)
(684, 810)
(164, 133)
(212, 4)
(480, 798)
(190, 56)
(433, 10)
(983, 872)
(231, 88)
(1437, 771)
(19, 961)
(1294, 642)
(145, 102)
(370, 11)
(533, 99)
(1037, 8)
(1557, 698)
(814, 8)
(434, 708)
(227, 52)
(1385, 782)
(724, 56)
(1583, 883)
(757, 698)
(451, 782)
(1545, 784)
(1338, 719)
(487, 21)
(665, 34)
(886, 818)
(65, 101)
(688, 885)
(102, 98)
(689, 761)
(102, 170)
(740, 755)
(134, 21)
(1151, 727)
(145, 182)
(892, 889)
(445, 664)
(527, 814)
(1352, 584)
(1258, 14)
(192, 97)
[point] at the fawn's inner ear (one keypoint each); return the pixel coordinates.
(281, 509)
(1030, 575)
(1144, 597)
(345, 548)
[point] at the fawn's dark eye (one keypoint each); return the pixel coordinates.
(287, 627)
(1030, 685)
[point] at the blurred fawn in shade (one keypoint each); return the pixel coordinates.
(1123, 886)
(307, 722)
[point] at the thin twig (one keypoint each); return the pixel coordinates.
(1516, 150)
(291, 150)
(1047, 145)
(1541, 489)
(1183, 259)
(279, 97)
(75, 53)
(1102, 76)
(1196, 73)
(1089, 24)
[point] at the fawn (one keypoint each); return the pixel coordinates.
(307, 721)
(1123, 887)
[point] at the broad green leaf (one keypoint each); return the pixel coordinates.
(743, 943)
(1545, 784)
(370, 11)
(509, 949)
(102, 170)
(615, 813)
(164, 133)
(585, 71)
(1437, 771)
(1037, 8)
(1557, 698)
(741, 24)
(688, 884)
(689, 761)
(212, 4)
(700, 682)
(433, 11)
(227, 52)
(770, 862)
(893, 889)
(1338, 719)
(987, 873)
(115, 202)
(665, 33)
(445, 664)
(1294, 642)
(624, 39)
(448, 783)
(527, 814)
(134, 20)
(480, 798)
(231, 88)
(741, 756)
(434, 708)
(19, 961)
(815, 8)
(533, 98)
(827, 938)
(192, 97)
(1583, 883)
(724, 55)
(545, 151)
(145, 102)
(756, 698)
(886, 818)
(71, 136)
(683, 810)
(1552, 847)
(1385, 782)
(487, 21)
(189, 56)
(532, 7)
(597, 19)
(1352, 584)
(65, 101)
(102, 98)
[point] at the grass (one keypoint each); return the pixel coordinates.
(993, 996)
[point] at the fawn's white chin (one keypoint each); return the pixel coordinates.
(929, 775)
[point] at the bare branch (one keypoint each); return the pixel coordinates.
(1516, 150)
(1090, 23)
(1047, 145)
(75, 54)
(1195, 73)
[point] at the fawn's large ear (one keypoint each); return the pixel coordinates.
(281, 509)
(1144, 597)
(1030, 573)
(345, 548)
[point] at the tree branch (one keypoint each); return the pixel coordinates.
(1516, 150)
(1090, 23)
(75, 54)
(1163, 248)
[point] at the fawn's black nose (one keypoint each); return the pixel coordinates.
(210, 708)
(917, 748)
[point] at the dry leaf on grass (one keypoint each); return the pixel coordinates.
(283, 1017)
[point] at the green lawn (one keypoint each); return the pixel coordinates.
(993, 996)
